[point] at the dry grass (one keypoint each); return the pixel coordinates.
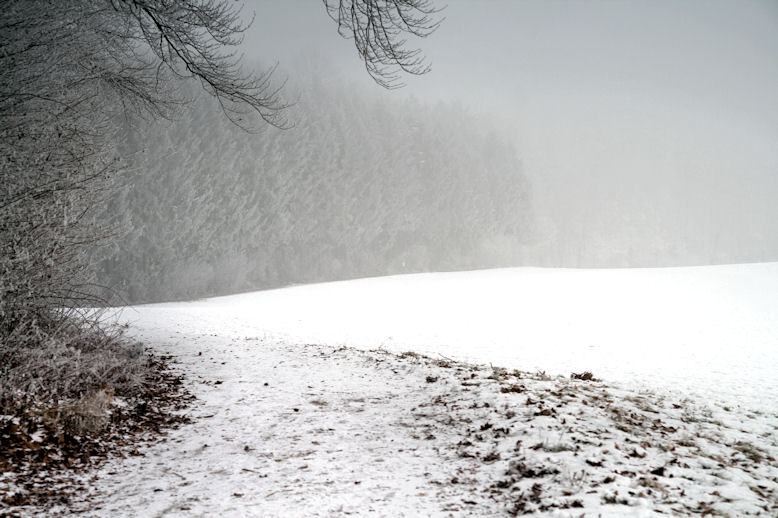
(583, 376)
(68, 371)
(754, 453)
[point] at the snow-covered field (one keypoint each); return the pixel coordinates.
(291, 423)
(709, 332)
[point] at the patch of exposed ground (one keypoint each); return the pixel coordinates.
(585, 447)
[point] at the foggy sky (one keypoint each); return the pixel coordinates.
(629, 100)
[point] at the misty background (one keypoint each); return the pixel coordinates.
(576, 134)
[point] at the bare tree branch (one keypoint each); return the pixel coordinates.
(378, 28)
(193, 38)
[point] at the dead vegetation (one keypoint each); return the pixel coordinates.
(545, 441)
(583, 376)
(536, 443)
(69, 404)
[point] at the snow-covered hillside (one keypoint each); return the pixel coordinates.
(709, 332)
(287, 422)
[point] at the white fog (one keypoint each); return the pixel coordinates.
(389, 258)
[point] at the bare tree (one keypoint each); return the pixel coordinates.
(194, 37)
(54, 158)
(197, 38)
(379, 29)
(67, 69)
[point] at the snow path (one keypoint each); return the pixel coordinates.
(339, 432)
(328, 435)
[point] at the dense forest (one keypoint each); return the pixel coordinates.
(368, 184)
(362, 185)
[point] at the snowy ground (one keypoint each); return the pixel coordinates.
(684, 423)
(709, 332)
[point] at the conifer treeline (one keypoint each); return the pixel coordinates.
(361, 186)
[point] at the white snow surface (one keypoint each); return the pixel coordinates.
(707, 332)
(289, 423)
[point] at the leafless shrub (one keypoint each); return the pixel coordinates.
(88, 414)
(64, 374)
